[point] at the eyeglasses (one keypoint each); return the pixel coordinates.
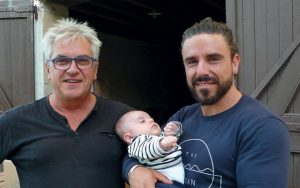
(64, 63)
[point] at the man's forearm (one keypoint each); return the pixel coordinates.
(128, 163)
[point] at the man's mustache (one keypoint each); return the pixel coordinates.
(205, 79)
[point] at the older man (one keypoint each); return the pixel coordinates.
(66, 139)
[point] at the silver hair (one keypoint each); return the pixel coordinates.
(66, 30)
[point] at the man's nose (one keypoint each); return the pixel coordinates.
(73, 66)
(202, 68)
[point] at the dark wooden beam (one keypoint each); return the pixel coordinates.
(69, 2)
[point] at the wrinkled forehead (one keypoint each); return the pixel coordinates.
(72, 48)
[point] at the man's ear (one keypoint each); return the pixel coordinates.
(235, 64)
(96, 71)
(128, 138)
(48, 70)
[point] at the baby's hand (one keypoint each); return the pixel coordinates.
(168, 142)
(170, 129)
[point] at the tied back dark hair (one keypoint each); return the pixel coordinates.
(209, 26)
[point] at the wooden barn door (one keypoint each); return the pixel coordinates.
(268, 33)
(16, 55)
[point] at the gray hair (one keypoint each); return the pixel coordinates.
(68, 29)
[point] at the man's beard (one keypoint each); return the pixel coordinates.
(205, 96)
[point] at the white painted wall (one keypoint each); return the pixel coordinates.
(47, 14)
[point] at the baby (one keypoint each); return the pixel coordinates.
(153, 147)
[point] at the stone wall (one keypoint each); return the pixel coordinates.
(9, 178)
(1, 179)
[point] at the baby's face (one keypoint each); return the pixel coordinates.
(142, 123)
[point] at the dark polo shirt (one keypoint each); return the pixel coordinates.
(47, 153)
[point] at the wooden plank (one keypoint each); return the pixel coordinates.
(295, 107)
(296, 32)
(10, 3)
(260, 44)
(286, 31)
(296, 18)
(240, 40)
(286, 24)
(231, 15)
(279, 64)
(19, 68)
(17, 77)
(284, 92)
(30, 85)
(5, 57)
(293, 124)
(291, 118)
(296, 170)
(4, 102)
(272, 39)
(249, 45)
(291, 171)
(295, 146)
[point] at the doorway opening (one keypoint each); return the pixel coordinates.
(140, 60)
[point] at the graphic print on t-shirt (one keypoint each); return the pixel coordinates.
(197, 153)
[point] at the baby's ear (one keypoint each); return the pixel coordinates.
(128, 138)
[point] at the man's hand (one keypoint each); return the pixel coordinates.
(143, 177)
(171, 129)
